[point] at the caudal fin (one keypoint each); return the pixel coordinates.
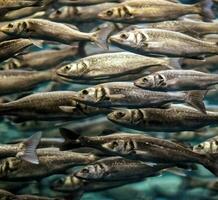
(206, 10)
(29, 152)
(100, 37)
(70, 139)
(195, 99)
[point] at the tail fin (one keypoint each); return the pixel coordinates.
(195, 99)
(70, 139)
(206, 10)
(100, 37)
(29, 153)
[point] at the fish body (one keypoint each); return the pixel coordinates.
(177, 80)
(51, 161)
(52, 31)
(11, 47)
(111, 65)
(41, 59)
(49, 106)
(117, 169)
(83, 2)
(153, 11)
(164, 120)
(78, 14)
(163, 42)
(189, 27)
(125, 94)
(19, 4)
(14, 81)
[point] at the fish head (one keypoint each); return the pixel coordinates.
(127, 116)
(12, 63)
(9, 167)
(94, 95)
(202, 148)
(18, 28)
(116, 13)
(57, 14)
(119, 146)
(95, 171)
(74, 70)
(120, 116)
(68, 183)
(145, 82)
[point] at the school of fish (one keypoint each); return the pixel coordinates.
(108, 99)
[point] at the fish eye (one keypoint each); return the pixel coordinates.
(145, 79)
(10, 25)
(114, 144)
(58, 12)
(85, 171)
(120, 114)
(200, 146)
(67, 67)
(109, 13)
(85, 92)
(124, 36)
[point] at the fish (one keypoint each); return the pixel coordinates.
(8, 195)
(45, 106)
(19, 4)
(154, 11)
(190, 27)
(163, 42)
(174, 118)
(53, 31)
(83, 2)
(118, 169)
(144, 148)
(69, 14)
(111, 65)
(177, 80)
(25, 150)
(15, 81)
(51, 161)
(187, 63)
(209, 146)
(40, 60)
(71, 183)
(125, 94)
(12, 47)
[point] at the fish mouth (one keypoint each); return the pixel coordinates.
(4, 29)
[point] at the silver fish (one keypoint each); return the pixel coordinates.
(53, 31)
(83, 2)
(11, 47)
(111, 65)
(51, 161)
(19, 4)
(118, 169)
(125, 94)
(177, 80)
(78, 14)
(49, 106)
(152, 11)
(163, 42)
(164, 120)
(186, 26)
(44, 59)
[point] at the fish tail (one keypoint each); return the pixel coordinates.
(100, 37)
(70, 139)
(29, 153)
(195, 99)
(206, 11)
